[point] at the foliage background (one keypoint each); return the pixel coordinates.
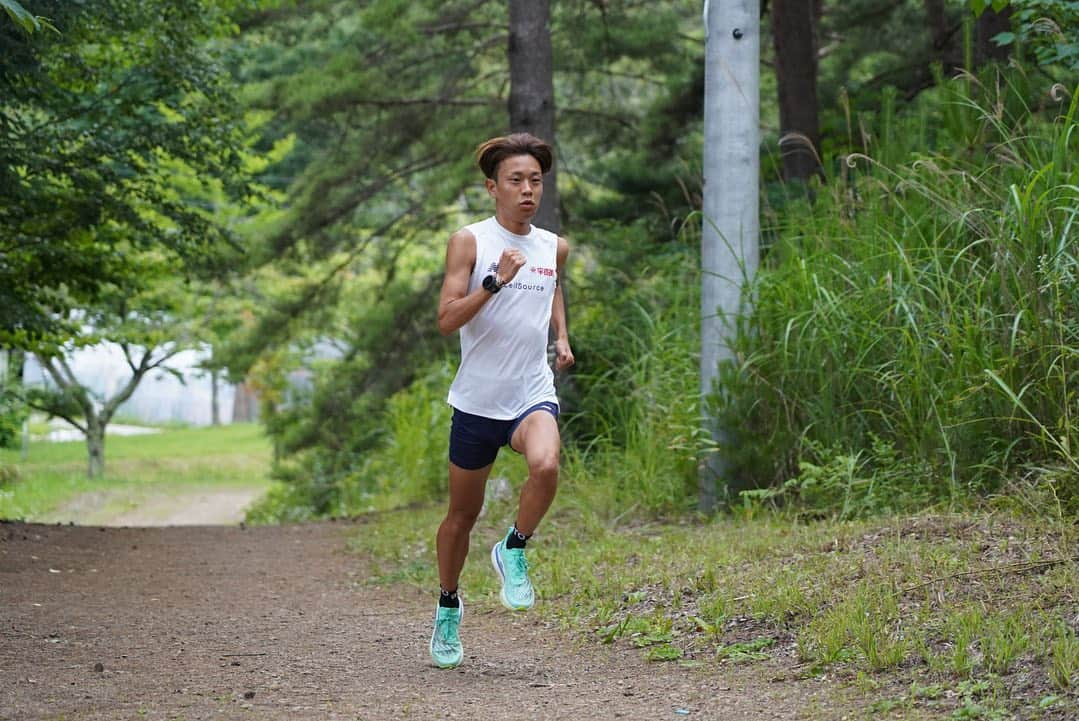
(300, 164)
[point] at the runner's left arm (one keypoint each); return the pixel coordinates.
(563, 353)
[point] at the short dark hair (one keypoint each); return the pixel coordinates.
(492, 152)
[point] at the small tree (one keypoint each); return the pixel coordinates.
(73, 401)
(149, 327)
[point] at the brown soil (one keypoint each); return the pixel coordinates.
(279, 623)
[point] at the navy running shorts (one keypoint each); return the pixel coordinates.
(475, 440)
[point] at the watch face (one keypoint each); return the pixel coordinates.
(490, 284)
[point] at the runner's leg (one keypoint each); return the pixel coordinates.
(537, 438)
(466, 501)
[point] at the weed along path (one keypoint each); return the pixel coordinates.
(279, 622)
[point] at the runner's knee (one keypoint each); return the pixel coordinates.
(461, 519)
(545, 468)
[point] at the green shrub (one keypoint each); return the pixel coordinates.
(409, 464)
(918, 326)
(13, 412)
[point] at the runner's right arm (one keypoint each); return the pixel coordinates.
(456, 306)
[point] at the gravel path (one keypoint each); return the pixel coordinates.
(184, 623)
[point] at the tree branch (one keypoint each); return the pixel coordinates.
(70, 385)
(456, 17)
(407, 102)
(457, 26)
(69, 375)
(175, 351)
(127, 357)
(294, 310)
(349, 204)
(146, 364)
(81, 427)
(611, 117)
(871, 14)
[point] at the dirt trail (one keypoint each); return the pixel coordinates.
(215, 506)
(278, 623)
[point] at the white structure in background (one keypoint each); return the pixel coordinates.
(159, 398)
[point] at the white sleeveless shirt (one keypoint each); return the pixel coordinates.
(504, 368)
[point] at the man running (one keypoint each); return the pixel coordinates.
(501, 291)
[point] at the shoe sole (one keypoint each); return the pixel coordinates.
(496, 561)
(431, 644)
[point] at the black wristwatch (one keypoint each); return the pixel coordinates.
(491, 284)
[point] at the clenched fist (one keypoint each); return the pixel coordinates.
(563, 355)
(512, 260)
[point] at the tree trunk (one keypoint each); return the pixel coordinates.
(990, 24)
(938, 24)
(532, 110)
(794, 37)
(244, 404)
(12, 363)
(531, 103)
(95, 447)
(215, 406)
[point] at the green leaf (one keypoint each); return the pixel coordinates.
(978, 6)
(1048, 701)
(20, 15)
(1002, 39)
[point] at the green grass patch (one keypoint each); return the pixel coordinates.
(52, 474)
(979, 606)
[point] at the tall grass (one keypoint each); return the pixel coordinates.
(916, 330)
(637, 428)
(936, 609)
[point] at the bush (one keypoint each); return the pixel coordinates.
(13, 412)
(409, 464)
(929, 309)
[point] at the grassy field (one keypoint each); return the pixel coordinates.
(940, 615)
(174, 460)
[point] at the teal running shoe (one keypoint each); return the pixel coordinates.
(446, 648)
(517, 593)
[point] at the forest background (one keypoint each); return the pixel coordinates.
(277, 180)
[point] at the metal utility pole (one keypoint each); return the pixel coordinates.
(729, 239)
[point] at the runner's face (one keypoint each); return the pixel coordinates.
(518, 186)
